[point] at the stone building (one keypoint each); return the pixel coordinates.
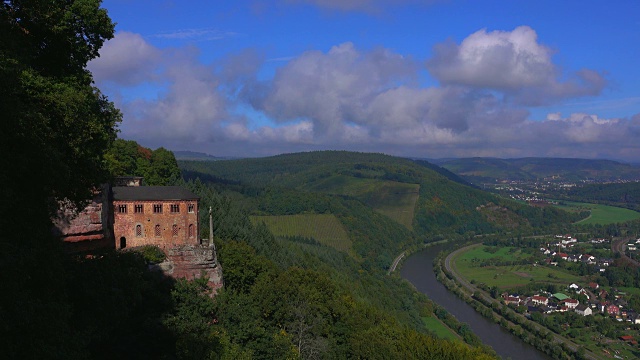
(130, 216)
(164, 216)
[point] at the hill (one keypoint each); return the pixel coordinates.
(479, 170)
(193, 155)
(385, 203)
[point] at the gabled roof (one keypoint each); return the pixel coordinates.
(142, 193)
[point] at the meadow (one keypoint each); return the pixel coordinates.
(467, 264)
(391, 198)
(325, 228)
(439, 329)
(601, 214)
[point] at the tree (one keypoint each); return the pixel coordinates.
(55, 127)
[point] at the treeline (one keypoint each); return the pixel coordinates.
(128, 158)
(625, 195)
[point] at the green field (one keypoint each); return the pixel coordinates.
(440, 329)
(391, 198)
(601, 214)
(325, 228)
(510, 276)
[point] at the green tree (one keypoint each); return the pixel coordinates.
(56, 126)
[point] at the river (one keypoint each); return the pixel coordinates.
(418, 269)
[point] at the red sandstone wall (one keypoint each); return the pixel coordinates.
(125, 224)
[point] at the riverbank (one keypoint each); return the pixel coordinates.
(537, 335)
(418, 270)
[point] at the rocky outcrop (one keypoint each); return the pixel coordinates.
(87, 230)
(193, 262)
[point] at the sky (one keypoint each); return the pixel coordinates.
(413, 78)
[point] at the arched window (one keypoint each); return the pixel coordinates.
(190, 230)
(138, 230)
(157, 230)
(174, 230)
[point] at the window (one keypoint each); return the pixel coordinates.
(138, 230)
(157, 208)
(190, 230)
(191, 208)
(138, 209)
(175, 208)
(122, 208)
(157, 230)
(174, 230)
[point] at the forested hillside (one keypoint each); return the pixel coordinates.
(478, 170)
(616, 194)
(316, 182)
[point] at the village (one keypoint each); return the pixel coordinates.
(586, 299)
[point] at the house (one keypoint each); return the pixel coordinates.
(583, 310)
(594, 285)
(540, 300)
(612, 309)
(574, 286)
(571, 303)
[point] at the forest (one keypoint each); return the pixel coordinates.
(283, 298)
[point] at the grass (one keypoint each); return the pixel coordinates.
(510, 276)
(391, 198)
(601, 214)
(325, 228)
(439, 329)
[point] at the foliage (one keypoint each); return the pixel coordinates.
(152, 254)
(157, 167)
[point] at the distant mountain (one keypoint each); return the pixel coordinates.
(477, 170)
(192, 155)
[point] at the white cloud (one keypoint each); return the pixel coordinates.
(126, 60)
(513, 63)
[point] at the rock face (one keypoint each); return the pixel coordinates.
(88, 230)
(193, 262)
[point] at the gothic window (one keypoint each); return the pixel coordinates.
(157, 230)
(174, 230)
(122, 208)
(157, 208)
(138, 230)
(191, 208)
(190, 230)
(138, 209)
(175, 208)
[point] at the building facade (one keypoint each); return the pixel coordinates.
(164, 216)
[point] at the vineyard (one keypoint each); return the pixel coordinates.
(391, 198)
(325, 228)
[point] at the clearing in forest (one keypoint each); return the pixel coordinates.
(325, 228)
(390, 198)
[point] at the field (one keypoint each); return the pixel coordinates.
(324, 228)
(467, 264)
(601, 214)
(393, 199)
(440, 329)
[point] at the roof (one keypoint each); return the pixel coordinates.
(152, 193)
(560, 296)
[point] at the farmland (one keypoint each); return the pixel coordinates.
(391, 198)
(476, 265)
(601, 214)
(324, 228)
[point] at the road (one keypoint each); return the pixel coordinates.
(395, 262)
(619, 245)
(449, 265)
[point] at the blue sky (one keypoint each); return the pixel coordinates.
(409, 78)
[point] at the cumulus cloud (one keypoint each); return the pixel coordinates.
(126, 60)
(512, 62)
(353, 99)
